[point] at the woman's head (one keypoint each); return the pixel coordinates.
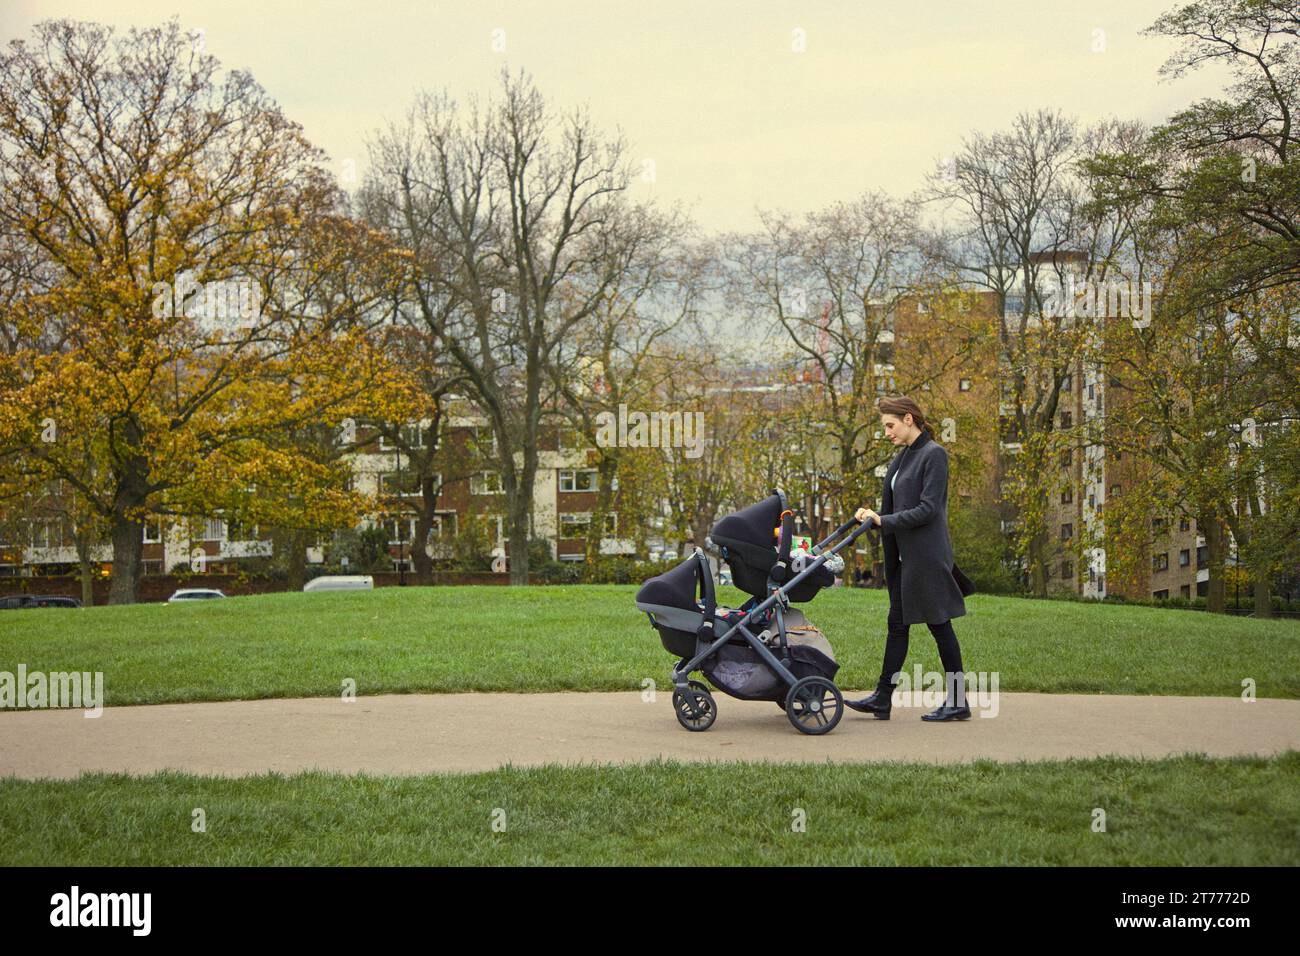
(902, 419)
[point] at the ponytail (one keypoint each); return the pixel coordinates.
(901, 405)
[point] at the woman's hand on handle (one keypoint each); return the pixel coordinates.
(863, 514)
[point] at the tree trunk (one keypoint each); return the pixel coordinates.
(700, 529)
(1215, 559)
(128, 546)
(1037, 565)
(129, 497)
(520, 503)
(606, 469)
(1263, 588)
(422, 560)
(86, 570)
(296, 559)
(518, 547)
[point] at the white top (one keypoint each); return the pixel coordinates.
(892, 482)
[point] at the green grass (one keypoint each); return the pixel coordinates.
(1189, 810)
(484, 638)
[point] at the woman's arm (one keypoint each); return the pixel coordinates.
(934, 489)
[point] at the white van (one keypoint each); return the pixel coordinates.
(340, 582)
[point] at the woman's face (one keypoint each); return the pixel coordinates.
(898, 430)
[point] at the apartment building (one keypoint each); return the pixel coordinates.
(40, 537)
(1089, 472)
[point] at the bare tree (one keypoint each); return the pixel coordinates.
(509, 221)
(1021, 226)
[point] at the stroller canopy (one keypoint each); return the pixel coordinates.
(674, 588)
(749, 542)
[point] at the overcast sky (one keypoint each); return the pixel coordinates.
(738, 104)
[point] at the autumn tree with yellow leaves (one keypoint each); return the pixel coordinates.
(173, 311)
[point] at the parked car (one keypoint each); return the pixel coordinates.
(340, 582)
(37, 600)
(195, 594)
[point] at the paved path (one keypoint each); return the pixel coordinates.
(421, 733)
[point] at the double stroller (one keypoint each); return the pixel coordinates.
(764, 650)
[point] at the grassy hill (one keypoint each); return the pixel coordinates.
(485, 638)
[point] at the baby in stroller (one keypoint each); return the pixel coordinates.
(764, 650)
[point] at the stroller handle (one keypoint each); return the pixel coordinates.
(820, 546)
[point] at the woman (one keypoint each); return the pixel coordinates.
(924, 583)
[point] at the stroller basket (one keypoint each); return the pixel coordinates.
(739, 670)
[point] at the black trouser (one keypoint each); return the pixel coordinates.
(896, 642)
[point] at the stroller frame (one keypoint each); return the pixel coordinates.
(694, 703)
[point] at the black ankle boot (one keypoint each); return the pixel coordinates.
(950, 709)
(878, 703)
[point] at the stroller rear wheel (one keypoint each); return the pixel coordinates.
(695, 708)
(814, 705)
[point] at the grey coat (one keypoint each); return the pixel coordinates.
(914, 524)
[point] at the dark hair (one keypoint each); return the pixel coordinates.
(901, 405)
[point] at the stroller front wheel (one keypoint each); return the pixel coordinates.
(814, 705)
(695, 708)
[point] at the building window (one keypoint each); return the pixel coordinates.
(400, 528)
(444, 522)
(1185, 590)
(394, 483)
(575, 525)
(214, 529)
(153, 531)
(1092, 390)
(1157, 525)
(1067, 570)
(580, 479)
(1067, 496)
(1183, 525)
(1161, 595)
(237, 530)
(1184, 558)
(48, 533)
(1067, 532)
(1160, 562)
(1067, 420)
(412, 435)
(964, 385)
(1114, 490)
(1067, 383)
(1067, 458)
(485, 440)
(486, 483)
(1202, 556)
